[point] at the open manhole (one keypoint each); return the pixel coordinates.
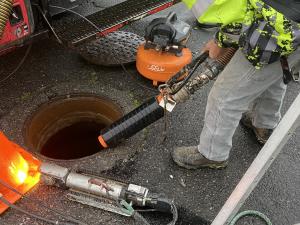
(68, 127)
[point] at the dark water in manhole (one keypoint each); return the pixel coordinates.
(75, 141)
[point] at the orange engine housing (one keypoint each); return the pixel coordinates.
(18, 169)
(160, 66)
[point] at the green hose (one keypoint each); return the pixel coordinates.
(251, 213)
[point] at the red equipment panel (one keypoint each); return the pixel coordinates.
(18, 25)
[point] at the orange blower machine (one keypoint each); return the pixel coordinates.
(164, 54)
(18, 171)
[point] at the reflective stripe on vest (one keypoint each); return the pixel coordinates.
(218, 11)
(200, 7)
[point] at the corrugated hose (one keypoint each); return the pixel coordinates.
(5, 11)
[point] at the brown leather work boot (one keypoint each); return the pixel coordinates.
(190, 158)
(262, 134)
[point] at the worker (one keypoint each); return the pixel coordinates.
(265, 37)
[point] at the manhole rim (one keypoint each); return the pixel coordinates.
(56, 99)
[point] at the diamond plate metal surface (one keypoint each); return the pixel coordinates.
(114, 49)
(74, 29)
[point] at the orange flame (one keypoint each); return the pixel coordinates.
(18, 169)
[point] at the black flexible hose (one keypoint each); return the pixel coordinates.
(194, 65)
(173, 208)
(161, 204)
(131, 123)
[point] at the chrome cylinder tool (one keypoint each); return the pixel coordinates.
(89, 189)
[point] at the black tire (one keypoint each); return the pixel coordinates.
(116, 48)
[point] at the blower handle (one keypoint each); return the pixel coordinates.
(194, 65)
(143, 116)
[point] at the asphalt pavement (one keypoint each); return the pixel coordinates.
(52, 70)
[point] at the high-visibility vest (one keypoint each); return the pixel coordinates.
(290, 8)
(266, 35)
(218, 11)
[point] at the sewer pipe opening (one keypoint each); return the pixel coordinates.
(67, 128)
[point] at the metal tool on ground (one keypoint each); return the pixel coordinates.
(91, 190)
(20, 171)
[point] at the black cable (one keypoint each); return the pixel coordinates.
(19, 65)
(56, 222)
(48, 23)
(174, 213)
(195, 64)
(70, 218)
(101, 32)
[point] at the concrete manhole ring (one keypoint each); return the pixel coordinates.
(15, 124)
(67, 127)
